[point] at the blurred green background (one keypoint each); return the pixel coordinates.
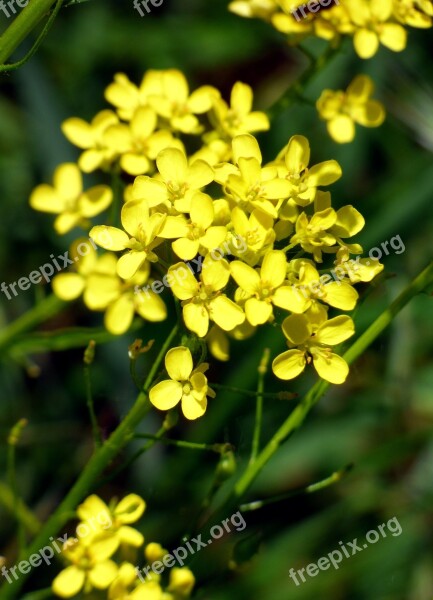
(381, 420)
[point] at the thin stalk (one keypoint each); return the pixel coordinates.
(218, 448)
(43, 311)
(263, 367)
(94, 467)
(309, 489)
(22, 26)
(13, 440)
(23, 513)
(88, 359)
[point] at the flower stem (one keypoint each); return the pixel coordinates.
(263, 367)
(22, 26)
(218, 448)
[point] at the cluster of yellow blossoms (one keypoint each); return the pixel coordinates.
(369, 22)
(99, 558)
(178, 207)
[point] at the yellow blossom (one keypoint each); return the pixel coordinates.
(186, 385)
(67, 199)
(310, 341)
(341, 110)
(90, 137)
(203, 300)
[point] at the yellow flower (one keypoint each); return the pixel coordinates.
(257, 232)
(127, 587)
(143, 230)
(372, 19)
(138, 143)
(261, 290)
(171, 100)
(312, 341)
(262, 9)
(182, 582)
(200, 235)
(120, 516)
(185, 385)
(341, 110)
(179, 182)
(414, 13)
(67, 199)
(313, 287)
(313, 235)
(126, 96)
(303, 180)
(91, 566)
(249, 185)
(237, 118)
(90, 137)
(203, 300)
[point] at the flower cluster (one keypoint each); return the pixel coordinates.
(178, 206)
(99, 560)
(370, 23)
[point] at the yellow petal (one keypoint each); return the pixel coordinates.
(298, 154)
(68, 582)
(193, 408)
(103, 574)
(166, 394)
(92, 507)
(274, 268)
(246, 146)
(129, 263)
(68, 181)
(341, 129)
(324, 173)
(341, 295)
(151, 307)
(78, 132)
(109, 238)
(331, 367)
(199, 174)
(349, 222)
(130, 509)
(335, 330)
(178, 362)
(241, 98)
(366, 43)
(245, 276)
(393, 36)
(215, 273)
(95, 200)
(196, 318)
(226, 313)
(202, 212)
(130, 536)
(184, 284)
(68, 286)
(289, 364)
(257, 311)
(297, 329)
(290, 298)
(172, 165)
(119, 315)
(185, 249)
(46, 199)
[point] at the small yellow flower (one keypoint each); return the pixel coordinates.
(67, 199)
(237, 118)
(143, 229)
(341, 110)
(182, 581)
(90, 137)
(257, 232)
(313, 341)
(186, 385)
(261, 290)
(180, 181)
(126, 586)
(203, 300)
(374, 26)
(262, 9)
(91, 566)
(126, 96)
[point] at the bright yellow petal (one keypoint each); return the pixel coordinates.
(257, 311)
(130, 536)
(172, 165)
(246, 146)
(215, 273)
(341, 295)
(335, 331)
(297, 329)
(119, 315)
(68, 582)
(199, 174)
(324, 173)
(68, 286)
(184, 285)
(151, 307)
(289, 364)
(193, 408)
(109, 238)
(130, 509)
(291, 298)
(178, 362)
(366, 43)
(196, 318)
(103, 574)
(46, 199)
(166, 394)
(245, 276)
(331, 367)
(68, 181)
(341, 129)
(274, 268)
(225, 313)
(298, 154)
(129, 263)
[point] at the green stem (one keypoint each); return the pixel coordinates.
(94, 467)
(24, 514)
(263, 367)
(309, 489)
(296, 418)
(22, 26)
(218, 448)
(97, 437)
(43, 311)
